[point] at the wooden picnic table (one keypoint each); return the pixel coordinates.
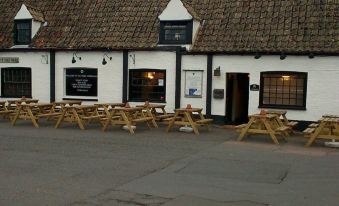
(12, 103)
(282, 114)
(269, 124)
(157, 110)
(129, 117)
(107, 107)
(4, 110)
(184, 117)
(33, 112)
(328, 128)
(79, 114)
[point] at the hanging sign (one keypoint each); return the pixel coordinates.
(193, 83)
(82, 82)
(9, 59)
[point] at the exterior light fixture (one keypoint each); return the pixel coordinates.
(311, 56)
(257, 55)
(75, 56)
(282, 56)
(286, 77)
(104, 62)
(217, 71)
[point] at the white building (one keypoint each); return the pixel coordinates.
(231, 58)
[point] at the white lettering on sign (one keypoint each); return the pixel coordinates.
(9, 59)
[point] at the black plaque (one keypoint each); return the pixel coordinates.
(82, 82)
(254, 87)
(218, 93)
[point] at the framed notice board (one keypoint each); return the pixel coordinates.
(193, 83)
(81, 82)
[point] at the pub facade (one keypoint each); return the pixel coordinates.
(230, 58)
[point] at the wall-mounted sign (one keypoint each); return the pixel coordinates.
(254, 87)
(9, 59)
(218, 93)
(82, 82)
(193, 83)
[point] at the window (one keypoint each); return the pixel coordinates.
(81, 82)
(286, 90)
(16, 82)
(176, 32)
(147, 84)
(22, 32)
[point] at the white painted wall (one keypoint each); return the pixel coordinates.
(109, 75)
(23, 13)
(322, 91)
(194, 62)
(175, 10)
(157, 60)
(40, 71)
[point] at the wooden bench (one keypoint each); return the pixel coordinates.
(283, 129)
(164, 116)
(204, 121)
(48, 115)
(313, 125)
(143, 119)
(94, 117)
(292, 124)
(308, 131)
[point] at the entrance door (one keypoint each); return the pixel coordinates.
(237, 95)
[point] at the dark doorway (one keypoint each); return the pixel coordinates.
(237, 95)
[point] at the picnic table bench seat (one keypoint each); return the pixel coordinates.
(283, 128)
(313, 125)
(94, 117)
(143, 119)
(204, 121)
(164, 116)
(292, 124)
(48, 114)
(309, 130)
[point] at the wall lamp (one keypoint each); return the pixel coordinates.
(282, 56)
(217, 71)
(104, 62)
(257, 55)
(311, 56)
(73, 59)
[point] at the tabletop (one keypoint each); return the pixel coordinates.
(278, 112)
(266, 116)
(189, 110)
(152, 106)
(128, 109)
(110, 104)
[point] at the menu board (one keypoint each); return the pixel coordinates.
(82, 82)
(193, 83)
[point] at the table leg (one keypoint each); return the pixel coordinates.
(17, 114)
(191, 122)
(149, 113)
(270, 131)
(245, 129)
(61, 118)
(127, 121)
(202, 118)
(32, 117)
(315, 134)
(78, 119)
(171, 123)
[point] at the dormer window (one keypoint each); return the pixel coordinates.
(22, 32)
(176, 32)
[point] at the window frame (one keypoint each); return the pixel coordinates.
(15, 36)
(146, 70)
(281, 106)
(2, 82)
(189, 32)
